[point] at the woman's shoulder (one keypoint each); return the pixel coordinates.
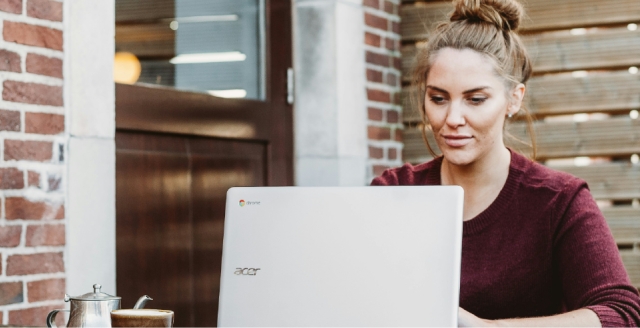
(543, 178)
(406, 175)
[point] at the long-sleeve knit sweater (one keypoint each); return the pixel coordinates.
(541, 248)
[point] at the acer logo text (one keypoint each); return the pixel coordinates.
(246, 271)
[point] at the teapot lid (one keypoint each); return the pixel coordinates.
(97, 295)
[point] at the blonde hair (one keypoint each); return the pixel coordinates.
(489, 28)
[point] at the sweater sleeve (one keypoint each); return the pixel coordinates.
(589, 264)
(388, 178)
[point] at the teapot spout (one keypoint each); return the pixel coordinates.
(142, 301)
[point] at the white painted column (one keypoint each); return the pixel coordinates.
(330, 122)
(90, 114)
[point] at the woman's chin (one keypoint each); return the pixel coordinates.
(458, 156)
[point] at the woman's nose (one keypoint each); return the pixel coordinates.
(455, 115)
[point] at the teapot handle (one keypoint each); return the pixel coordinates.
(51, 318)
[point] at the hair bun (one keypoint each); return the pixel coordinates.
(505, 14)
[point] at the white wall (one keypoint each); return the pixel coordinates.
(90, 114)
(330, 112)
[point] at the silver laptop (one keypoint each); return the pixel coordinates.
(341, 256)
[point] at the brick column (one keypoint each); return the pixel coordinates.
(382, 55)
(33, 165)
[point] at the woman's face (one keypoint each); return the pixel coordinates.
(466, 104)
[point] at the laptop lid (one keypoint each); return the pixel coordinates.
(341, 256)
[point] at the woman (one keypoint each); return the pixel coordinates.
(536, 249)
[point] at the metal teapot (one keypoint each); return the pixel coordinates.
(92, 309)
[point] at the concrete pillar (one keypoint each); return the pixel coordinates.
(90, 111)
(330, 110)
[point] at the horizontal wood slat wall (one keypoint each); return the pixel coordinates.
(624, 223)
(609, 92)
(612, 92)
(615, 181)
(631, 262)
(611, 137)
(604, 49)
(419, 19)
(552, 52)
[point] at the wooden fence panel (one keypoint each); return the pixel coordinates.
(611, 137)
(606, 48)
(624, 223)
(553, 52)
(420, 18)
(559, 94)
(631, 262)
(409, 53)
(414, 150)
(610, 180)
(618, 136)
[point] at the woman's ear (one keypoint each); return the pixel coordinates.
(517, 96)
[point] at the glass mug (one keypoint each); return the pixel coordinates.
(141, 318)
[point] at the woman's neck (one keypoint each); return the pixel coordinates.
(490, 170)
(481, 180)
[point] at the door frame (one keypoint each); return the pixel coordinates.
(152, 108)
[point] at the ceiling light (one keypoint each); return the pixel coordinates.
(126, 68)
(209, 18)
(233, 93)
(212, 57)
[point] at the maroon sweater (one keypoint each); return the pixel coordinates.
(541, 248)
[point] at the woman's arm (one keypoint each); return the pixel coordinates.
(595, 286)
(588, 262)
(577, 318)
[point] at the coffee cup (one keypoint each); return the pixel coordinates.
(141, 318)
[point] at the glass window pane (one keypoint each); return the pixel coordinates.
(213, 46)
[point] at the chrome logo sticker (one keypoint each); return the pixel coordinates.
(241, 203)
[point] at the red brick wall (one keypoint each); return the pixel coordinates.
(382, 56)
(32, 133)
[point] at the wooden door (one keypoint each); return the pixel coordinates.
(177, 153)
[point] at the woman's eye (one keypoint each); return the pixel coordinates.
(437, 100)
(477, 100)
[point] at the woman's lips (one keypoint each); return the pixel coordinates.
(457, 141)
